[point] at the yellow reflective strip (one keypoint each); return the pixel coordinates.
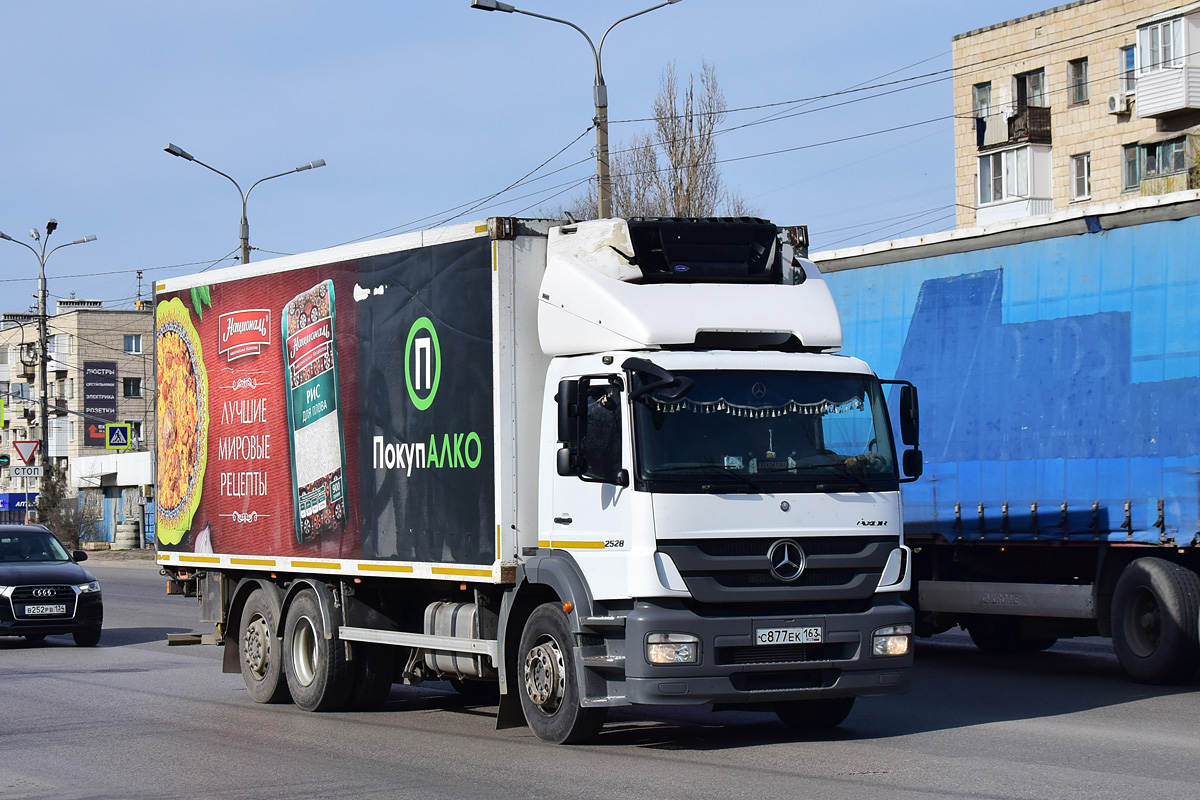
(163, 557)
(316, 564)
(578, 545)
(543, 542)
(158, 287)
(253, 562)
(201, 559)
(481, 228)
(385, 567)
(482, 573)
(495, 256)
(497, 542)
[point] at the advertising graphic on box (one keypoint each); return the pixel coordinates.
(334, 411)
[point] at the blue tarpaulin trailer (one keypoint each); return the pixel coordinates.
(1058, 364)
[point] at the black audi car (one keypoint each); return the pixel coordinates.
(43, 590)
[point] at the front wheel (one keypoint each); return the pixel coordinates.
(1154, 621)
(318, 675)
(261, 650)
(549, 691)
(814, 715)
(88, 637)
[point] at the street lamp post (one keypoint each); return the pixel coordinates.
(599, 92)
(43, 337)
(176, 150)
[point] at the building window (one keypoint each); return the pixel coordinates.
(1161, 45)
(1081, 176)
(1004, 176)
(70, 431)
(1077, 81)
(1132, 166)
(1128, 69)
(1164, 158)
(135, 429)
(133, 387)
(70, 388)
(981, 99)
(1031, 89)
(133, 343)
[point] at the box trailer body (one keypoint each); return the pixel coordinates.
(1060, 388)
(445, 455)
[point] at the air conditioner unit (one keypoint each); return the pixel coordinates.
(1118, 103)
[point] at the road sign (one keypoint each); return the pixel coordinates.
(117, 436)
(27, 472)
(26, 450)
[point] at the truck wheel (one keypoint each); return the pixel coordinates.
(814, 715)
(318, 675)
(1003, 636)
(374, 665)
(88, 637)
(1154, 621)
(549, 691)
(261, 652)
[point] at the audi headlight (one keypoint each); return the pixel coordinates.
(88, 588)
(673, 648)
(893, 640)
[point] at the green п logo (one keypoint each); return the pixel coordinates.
(422, 363)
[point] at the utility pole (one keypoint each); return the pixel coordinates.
(43, 331)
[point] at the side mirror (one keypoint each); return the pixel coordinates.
(910, 415)
(571, 423)
(914, 463)
(79, 555)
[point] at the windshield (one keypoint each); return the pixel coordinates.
(750, 431)
(30, 546)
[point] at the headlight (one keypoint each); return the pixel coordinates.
(88, 588)
(673, 648)
(893, 640)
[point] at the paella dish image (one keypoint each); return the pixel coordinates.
(182, 420)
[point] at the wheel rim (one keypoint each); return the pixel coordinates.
(304, 651)
(256, 647)
(1143, 622)
(546, 675)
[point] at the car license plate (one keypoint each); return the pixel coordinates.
(809, 635)
(45, 610)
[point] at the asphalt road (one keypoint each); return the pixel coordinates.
(135, 718)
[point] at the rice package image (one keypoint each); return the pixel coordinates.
(316, 438)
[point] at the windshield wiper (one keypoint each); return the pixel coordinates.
(707, 471)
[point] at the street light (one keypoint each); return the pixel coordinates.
(176, 150)
(42, 256)
(599, 92)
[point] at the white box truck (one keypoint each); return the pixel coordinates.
(604, 463)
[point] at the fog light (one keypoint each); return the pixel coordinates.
(673, 648)
(894, 640)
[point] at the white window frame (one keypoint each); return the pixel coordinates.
(1127, 69)
(1030, 95)
(981, 99)
(1077, 81)
(135, 429)
(1013, 181)
(1161, 46)
(1081, 177)
(133, 343)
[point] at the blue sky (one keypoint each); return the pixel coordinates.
(420, 109)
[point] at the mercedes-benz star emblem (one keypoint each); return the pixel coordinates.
(787, 560)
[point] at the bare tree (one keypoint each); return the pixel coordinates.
(672, 170)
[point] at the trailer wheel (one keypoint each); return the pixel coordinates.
(549, 691)
(1003, 636)
(374, 665)
(1154, 620)
(261, 652)
(318, 675)
(814, 715)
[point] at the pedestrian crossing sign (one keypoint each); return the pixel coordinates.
(116, 436)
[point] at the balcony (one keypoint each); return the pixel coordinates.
(1022, 125)
(1167, 91)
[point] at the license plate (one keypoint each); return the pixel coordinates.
(45, 610)
(810, 635)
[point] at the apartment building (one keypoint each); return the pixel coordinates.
(99, 369)
(1094, 101)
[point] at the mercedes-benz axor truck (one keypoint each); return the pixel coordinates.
(588, 465)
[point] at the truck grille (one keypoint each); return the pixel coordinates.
(837, 568)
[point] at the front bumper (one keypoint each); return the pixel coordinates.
(732, 670)
(88, 613)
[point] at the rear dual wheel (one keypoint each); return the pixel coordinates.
(260, 651)
(318, 675)
(1154, 621)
